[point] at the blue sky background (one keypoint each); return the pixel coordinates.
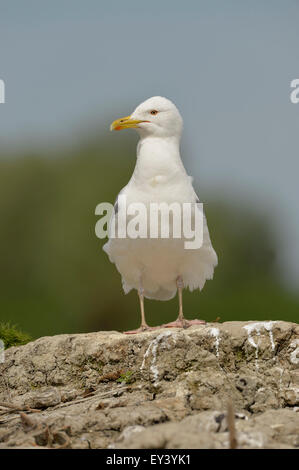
(69, 65)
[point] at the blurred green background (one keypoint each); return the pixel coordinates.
(55, 277)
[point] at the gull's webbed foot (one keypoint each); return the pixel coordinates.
(141, 329)
(183, 323)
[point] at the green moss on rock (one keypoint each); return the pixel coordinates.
(11, 336)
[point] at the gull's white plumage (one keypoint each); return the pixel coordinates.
(159, 176)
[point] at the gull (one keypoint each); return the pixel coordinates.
(159, 267)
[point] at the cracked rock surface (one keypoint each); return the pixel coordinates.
(167, 388)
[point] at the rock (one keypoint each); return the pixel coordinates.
(167, 388)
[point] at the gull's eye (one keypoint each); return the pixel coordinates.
(154, 112)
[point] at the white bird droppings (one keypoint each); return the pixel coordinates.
(294, 356)
(256, 328)
(153, 346)
(216, 333)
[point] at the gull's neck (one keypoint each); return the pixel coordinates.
(158, 157)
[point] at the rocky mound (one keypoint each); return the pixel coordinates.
(167, 388)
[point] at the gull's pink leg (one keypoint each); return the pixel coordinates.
(144, 326)
(181, 321)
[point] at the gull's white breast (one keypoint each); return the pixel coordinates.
(159, 176)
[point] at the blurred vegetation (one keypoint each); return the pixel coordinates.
(11, 336)
(55, 278)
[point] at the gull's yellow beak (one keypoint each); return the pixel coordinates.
(124, 123)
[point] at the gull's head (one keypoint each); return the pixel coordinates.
(156, 117)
